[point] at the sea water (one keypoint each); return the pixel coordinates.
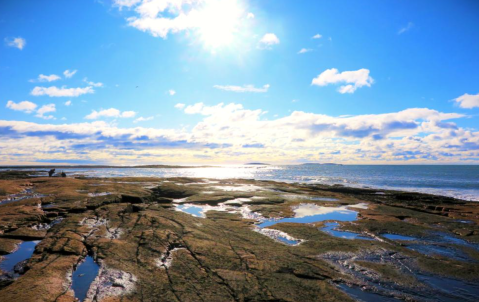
(447, 180)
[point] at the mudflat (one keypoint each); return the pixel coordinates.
(189, 239)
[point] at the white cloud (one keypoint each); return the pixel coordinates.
(268, 40)
(125, 3)
(18, 42)
(406, 28)
(46, 109)
(90, 83)
(143, 119)
(46, 78)
(468, 101)
(112, 112)
(24, 106)
(68, 103)
(209, 18)
(68, 74)
(415, 135)
(244, 88)
(54, 91)
(180, 106)
(316, 36)
(304, 50)
(128, 114)
(219, 111)
(354, 79)
(250, 16)
(171, 92)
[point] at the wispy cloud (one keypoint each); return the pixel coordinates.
(268, 40)
(143, 119)
(54, 91)
(90, 83)
(69, 73)
(68, 103)
(125, 3)
(304, 50)
(17, 42)
(171, 92)
(112, 112)
(354, 79)
(406, 28)
(468, 101)
(46, 109)
(46, 78)
(317, 36)
(180, 106)
(25, 106)
(244, 88)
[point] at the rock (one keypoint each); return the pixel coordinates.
(21, 267)
(111, 283)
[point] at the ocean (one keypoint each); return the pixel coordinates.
(455, 181)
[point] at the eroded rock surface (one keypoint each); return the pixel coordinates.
(148, 251)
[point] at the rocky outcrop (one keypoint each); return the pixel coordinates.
(149, 252)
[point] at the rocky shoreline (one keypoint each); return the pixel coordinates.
(189, 239)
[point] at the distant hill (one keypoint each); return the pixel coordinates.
(320, 164)
(99, 166)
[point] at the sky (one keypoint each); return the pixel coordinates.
(133, 82)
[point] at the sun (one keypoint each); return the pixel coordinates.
(220, 23)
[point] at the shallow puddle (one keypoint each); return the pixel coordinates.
(441, 244)
(454, 240)
(441, 250)
(364, 296)
(331, 228)
(238, 200)
(318, 198)
(24, 252)
(243, 188)
(28, 193)
(83, 276)
(451, 289)
(48, 206)
(192, 210)
(309, 213)
(99, 194)
(279, 236)
(398, 237)
(200, 211)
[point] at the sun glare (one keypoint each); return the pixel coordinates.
(220, 23)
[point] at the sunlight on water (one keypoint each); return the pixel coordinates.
(455, 181)
(309, 213)
(25, 251)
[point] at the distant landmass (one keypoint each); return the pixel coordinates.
(321, 164)
(101, 167)
(257, 164)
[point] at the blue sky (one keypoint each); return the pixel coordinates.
(233, 81)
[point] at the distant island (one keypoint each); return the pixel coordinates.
(257, 164)
(102, 167)
(320, 164)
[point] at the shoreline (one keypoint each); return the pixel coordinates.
(454, 192)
